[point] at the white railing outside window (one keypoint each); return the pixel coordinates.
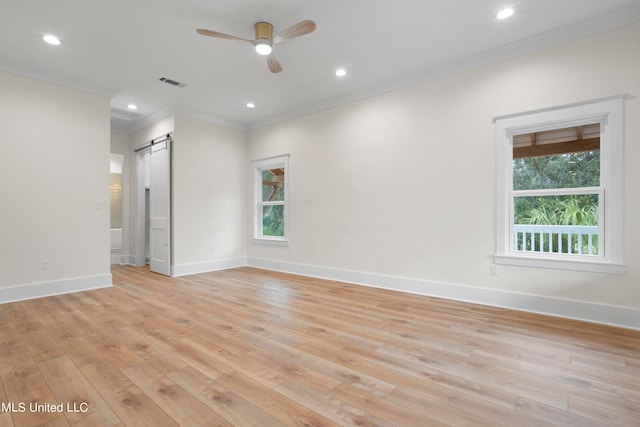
(558, 239)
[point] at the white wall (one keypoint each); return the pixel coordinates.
(403, 184)
(209, 203)
(54, 177)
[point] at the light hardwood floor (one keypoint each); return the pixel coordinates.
(246, 347)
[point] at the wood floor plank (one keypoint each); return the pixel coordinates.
(554, 415)
(153, 354)
(491, 412)
(75, 345)
(248, 347)
(22, 381)
(60, 421)
(181, 405)
(367, 365)
(437, 410)
(5, 415)
(331, 408)
(205, 361)
(71, 388)
(619, 414)
(449, 380)
(577, 382)
(231, 352)
(25, 385)
(382, 408)
(277, 405)
(235, 409)
(262, 368)
(131, 404)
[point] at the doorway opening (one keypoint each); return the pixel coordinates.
(116, 197)
(153, 218)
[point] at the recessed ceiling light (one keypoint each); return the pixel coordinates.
(251, 105)
(504, 13)
(341, 72)
(51, 39)
(132, 107)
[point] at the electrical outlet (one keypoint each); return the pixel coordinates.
(495, 270)
(45, 264)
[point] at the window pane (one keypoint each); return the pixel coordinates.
(557, 224)
(273, 185)
(569, 170)
(273, 221)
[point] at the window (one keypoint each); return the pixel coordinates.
(556, 191)
(560, 187)
(270, 195)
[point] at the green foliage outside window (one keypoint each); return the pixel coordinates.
(273, 221)
(273, 191)
(571, 170)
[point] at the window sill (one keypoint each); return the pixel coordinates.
(595, 266)
(270, 241)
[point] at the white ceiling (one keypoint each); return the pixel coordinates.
(120, 48)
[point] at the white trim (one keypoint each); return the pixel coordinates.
(270, 161)
(118, 259)
(129, 123)
(124, 260)
(57, 287)
(208, 266)
(596, 313)
(560, 107)
(561, 262)
(571, 191)
(273, 241)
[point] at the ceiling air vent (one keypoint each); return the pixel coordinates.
(171, 82)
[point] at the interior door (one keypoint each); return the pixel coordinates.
(160, 208)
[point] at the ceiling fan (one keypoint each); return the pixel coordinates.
(265, 40)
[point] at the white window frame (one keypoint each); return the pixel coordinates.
(609, 113)
(257, 167)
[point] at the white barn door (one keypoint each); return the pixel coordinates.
(160, 208)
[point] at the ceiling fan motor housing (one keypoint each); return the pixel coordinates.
(264, 32)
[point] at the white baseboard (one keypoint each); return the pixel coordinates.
(205, 267)
(590, 312)
(119, 259)
(57, 287)
(126, 260)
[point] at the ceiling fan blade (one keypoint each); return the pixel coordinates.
(296, 30)
(274, 64)
(218, 35)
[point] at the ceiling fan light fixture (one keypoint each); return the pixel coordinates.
(51, 39)
(263, 47)
(504, 13)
